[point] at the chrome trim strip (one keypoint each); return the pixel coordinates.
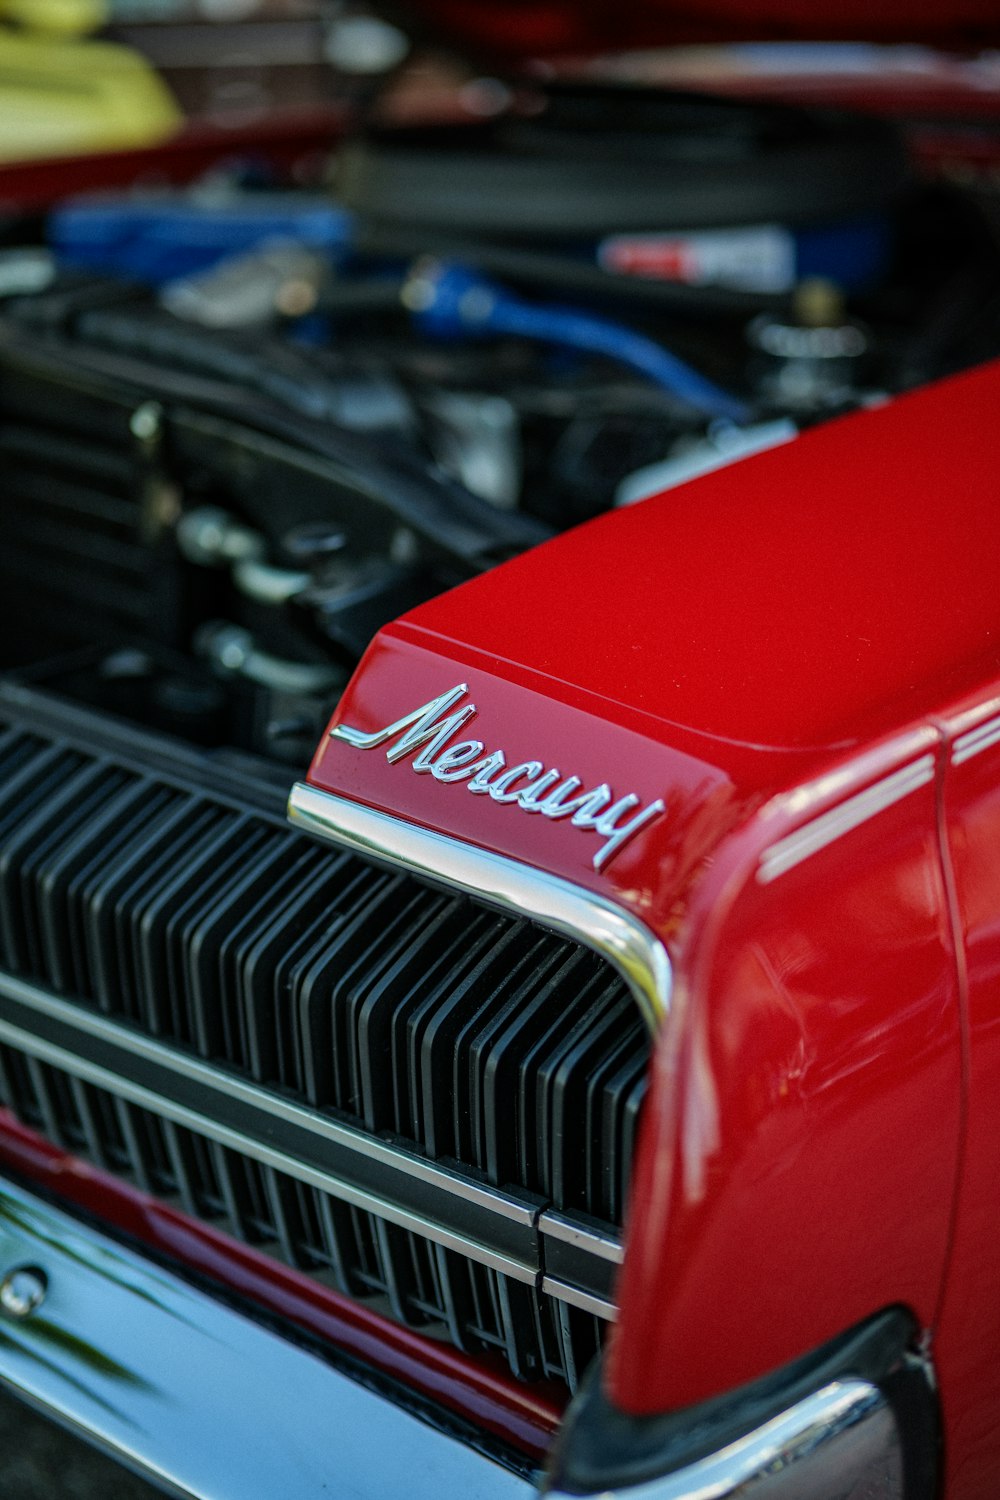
(470, 1219)
(840, 1440)
(563, 1292)
(197, 1398)
(236, 1140)
(520, 889)
(589, 1240)
(975, 741)
(830, 826)
(208, 1077)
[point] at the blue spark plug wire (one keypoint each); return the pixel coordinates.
(449, 301)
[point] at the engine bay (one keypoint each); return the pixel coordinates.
(244, 426)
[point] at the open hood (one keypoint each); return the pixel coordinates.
(524, 29)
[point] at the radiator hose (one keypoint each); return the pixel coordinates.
(449, 301)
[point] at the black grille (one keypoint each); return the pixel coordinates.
(152, 896)
(413, 1280)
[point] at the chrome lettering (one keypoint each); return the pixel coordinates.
(428, 731)
(418, 717)
(485, 770)
(453, 764)
(617, 837)
(582, 809)
(529, 796)
(433, 737)
(500, 788)
(601, 816)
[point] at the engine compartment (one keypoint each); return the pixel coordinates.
(243, 427)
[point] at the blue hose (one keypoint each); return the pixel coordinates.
(449, 301)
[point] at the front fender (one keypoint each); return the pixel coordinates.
(799, 1155)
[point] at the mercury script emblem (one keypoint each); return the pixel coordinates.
(428, 734)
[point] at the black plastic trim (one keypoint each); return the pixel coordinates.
(601, 1448)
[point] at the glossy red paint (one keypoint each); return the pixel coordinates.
(928, 104)
(966, 1342)
(526, 28)
(787, 601)
(757, 648)
(524, 1416)
(802, 1139)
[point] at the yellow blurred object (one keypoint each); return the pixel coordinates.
(60, 17)
(64, 96)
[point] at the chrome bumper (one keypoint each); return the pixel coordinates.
(856, 1417)
(193, 1395)
(838, 1443)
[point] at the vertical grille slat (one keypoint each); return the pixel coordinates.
(32, 821)
(266, 992)
(142, 925)
(96, 837)
(38, 851)
(615, 1095)
(322, 1067)
(166, 938)
(578, 1057)
(45, 1105)
(101, 890)
(81, 883)
(131, 912)
(215, 948)
(374, 1000)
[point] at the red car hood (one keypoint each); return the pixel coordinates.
(708, 650)
(521, 29)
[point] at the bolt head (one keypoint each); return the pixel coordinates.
(147, 423)
(23, 1291)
